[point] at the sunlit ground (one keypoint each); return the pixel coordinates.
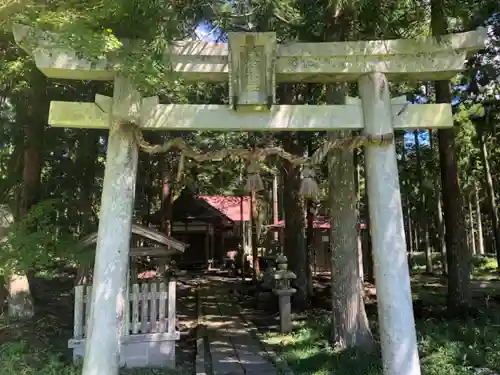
(39, 346)
(20, 357)
(446, 347)
(449, 347)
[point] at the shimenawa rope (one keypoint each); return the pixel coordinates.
(309, 187)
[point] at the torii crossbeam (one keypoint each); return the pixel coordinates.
(163, 117)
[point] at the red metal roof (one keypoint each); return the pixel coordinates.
(230, 206)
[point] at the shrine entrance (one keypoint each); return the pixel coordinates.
(253, 63)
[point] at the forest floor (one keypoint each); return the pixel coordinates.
(447, 346)
(39, 346)
(466, 346)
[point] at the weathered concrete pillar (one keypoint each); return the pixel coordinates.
(395, 311)
(102, 349)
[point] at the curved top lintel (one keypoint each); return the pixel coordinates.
(296, 62)
(467, 41)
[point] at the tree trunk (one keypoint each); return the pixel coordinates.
(243, 243)
(275, 206)
(428, 249)
(255, 241)
(441, 231)
(416, 235)
(21, 301)
(366, 266)
(310, 215)
(439, 212)
(369, 275)
(350, 323)
(471, 227)
(166, 199)
(410, 239)
(422, 215)
(86, 164)
(490, 189)
(294, 241)
(407, 209)
(480, 239)
(86, 160)
(293, 204)
(357, 180)
(458, 256)
(149, 190)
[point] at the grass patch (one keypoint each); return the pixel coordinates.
(485, 268)
(39, 346)
(25, 350)
(482, 266)
(418, 262)
(19, 358)
(307, 351)
(484, 263)
(445, 347)
(450, 347)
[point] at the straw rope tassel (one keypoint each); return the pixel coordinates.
(254, 182)
(180, 168)
(309, 187)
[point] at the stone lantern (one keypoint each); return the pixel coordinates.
(282, 288)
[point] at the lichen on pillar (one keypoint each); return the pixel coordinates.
(395, 311)
(102, 349)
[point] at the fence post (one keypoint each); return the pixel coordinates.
(88, 303)
(163, 302)
(78, 318)
(172, 285)
(126, 320)
(153, 313)
(144, 306)
(135, 308)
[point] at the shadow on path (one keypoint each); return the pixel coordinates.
(226, 345)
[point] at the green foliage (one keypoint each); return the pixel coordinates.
(445, 346)
(450, 347)
(459, 347)
(484, 264)
(19, 357)
(38, 240)
(97, 28)
(308, 351)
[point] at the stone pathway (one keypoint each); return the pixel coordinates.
(227, 343)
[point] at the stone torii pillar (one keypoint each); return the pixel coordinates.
(113, 241)
(115, 221)
(392, 276)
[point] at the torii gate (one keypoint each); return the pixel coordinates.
(253, 63)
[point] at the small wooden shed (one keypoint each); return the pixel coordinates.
(149, 322)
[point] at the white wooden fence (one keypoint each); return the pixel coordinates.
(151, 308)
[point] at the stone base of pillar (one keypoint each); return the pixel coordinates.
(155, 350)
